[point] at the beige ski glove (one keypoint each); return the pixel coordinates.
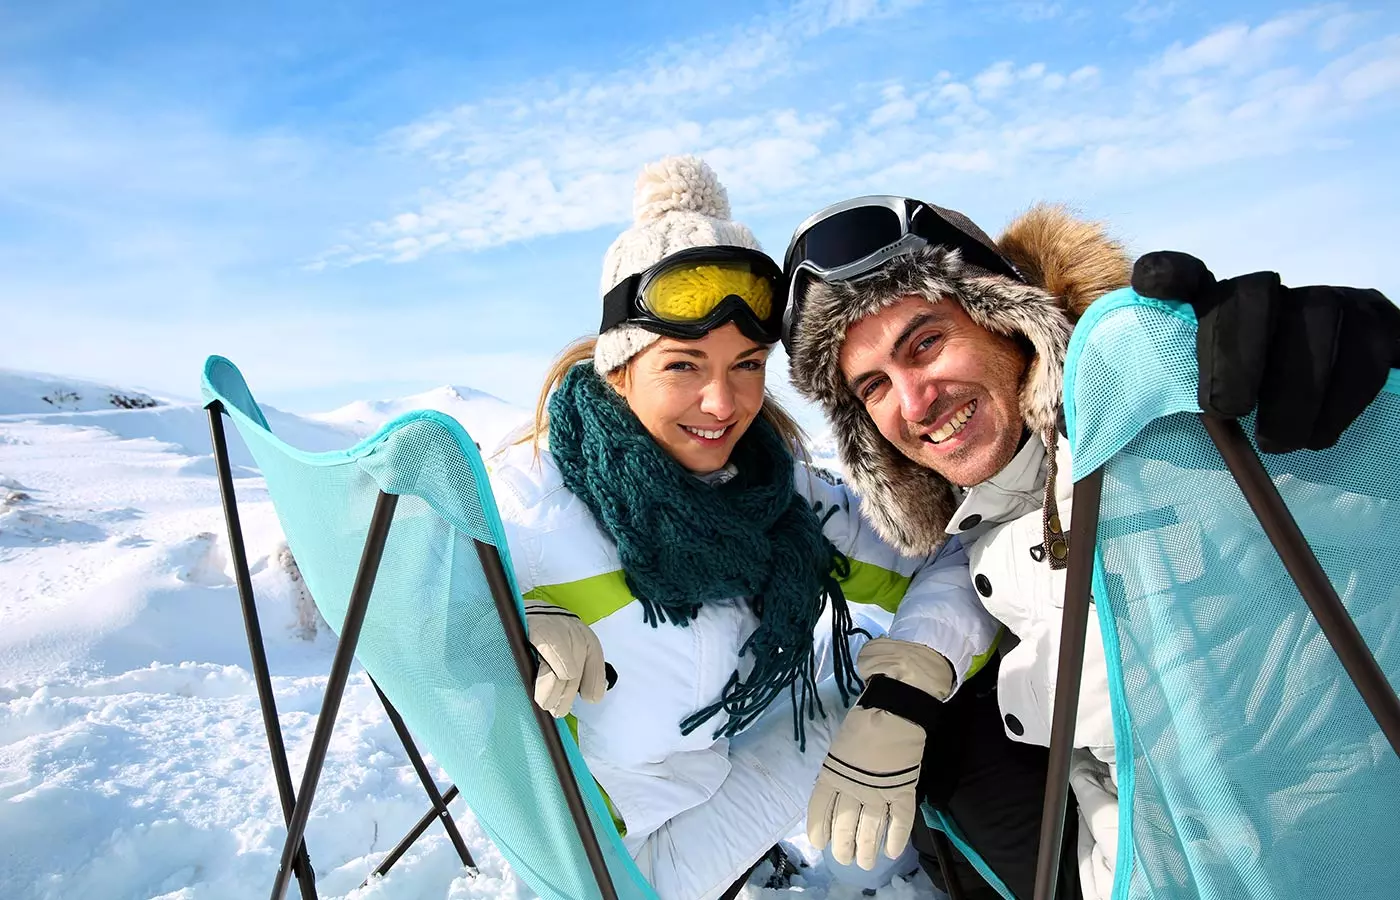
(866, 796)
(571, 658)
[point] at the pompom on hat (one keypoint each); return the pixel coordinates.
(678, 204)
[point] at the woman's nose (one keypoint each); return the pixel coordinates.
(718, 400)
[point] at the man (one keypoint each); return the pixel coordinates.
(937, 355)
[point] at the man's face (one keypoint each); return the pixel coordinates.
(939, 387)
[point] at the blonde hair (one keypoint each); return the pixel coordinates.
(581, 351)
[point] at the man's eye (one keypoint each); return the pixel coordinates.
(927, 342)
(868, 389)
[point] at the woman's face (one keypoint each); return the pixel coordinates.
(697, 398)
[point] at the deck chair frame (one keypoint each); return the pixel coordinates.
(1302, 566)
(296, 805)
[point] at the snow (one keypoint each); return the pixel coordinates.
(34, 392)
(133, 761)
(491, 418)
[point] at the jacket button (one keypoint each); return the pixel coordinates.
(1014, 725)
(984, 587)
(971, 521)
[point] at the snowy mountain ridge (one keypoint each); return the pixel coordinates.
(486, 417)
(36, 393)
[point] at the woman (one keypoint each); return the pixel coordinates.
(657, 518)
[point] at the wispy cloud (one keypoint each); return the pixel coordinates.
(556, 159)
(1146, 14)
(1238, 48)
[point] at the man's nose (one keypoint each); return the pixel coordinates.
(916, 395)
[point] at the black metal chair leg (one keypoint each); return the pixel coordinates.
(305, 875)
(335, 685)
(1084, 528)
(520, 648)
(1307, 573)
(429, 786)
(944, 851)
(414, 834)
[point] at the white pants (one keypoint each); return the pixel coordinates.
(698, 854)
(1095, 785)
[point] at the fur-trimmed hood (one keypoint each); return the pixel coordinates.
(1067, 263)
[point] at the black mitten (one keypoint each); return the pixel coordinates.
(1311, 358)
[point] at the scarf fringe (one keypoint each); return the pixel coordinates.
(744, 702)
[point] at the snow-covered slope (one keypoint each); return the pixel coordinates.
(488, 419)
(34, 392)
(133, 762)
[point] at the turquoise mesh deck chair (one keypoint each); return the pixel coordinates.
(1250, 611)
(398, 538)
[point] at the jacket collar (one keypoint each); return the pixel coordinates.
(1017, 489)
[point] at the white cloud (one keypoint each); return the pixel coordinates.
(994, 79)
(1038, 10)
(1145, 13)
(553, 159)
(1337, 30)
(897, 108)
(1373, 77)
(1237, 47)
(1091, 130)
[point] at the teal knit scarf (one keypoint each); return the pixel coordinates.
(684, 543)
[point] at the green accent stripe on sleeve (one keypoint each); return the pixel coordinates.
(620, 825)
(591, 599)
(869, 583)
(984, 657)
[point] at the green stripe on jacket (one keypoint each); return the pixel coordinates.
(599, 596)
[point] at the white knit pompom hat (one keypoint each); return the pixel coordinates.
(679, 204)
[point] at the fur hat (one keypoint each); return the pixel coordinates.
(679, 203)
(1067, 264)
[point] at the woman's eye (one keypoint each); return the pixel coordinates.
(679, 366)
(752, 365)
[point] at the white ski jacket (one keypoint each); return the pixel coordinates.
(632, 740)
(1001, 524)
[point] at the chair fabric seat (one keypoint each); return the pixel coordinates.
(432, 638)
(1249, 767)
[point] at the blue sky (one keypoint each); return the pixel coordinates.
(364, 200)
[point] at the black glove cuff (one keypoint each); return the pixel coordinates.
(903, 700)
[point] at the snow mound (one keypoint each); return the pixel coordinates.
(21, 526)
(487, 418)
(34, 393)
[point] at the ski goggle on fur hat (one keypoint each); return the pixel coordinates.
(691, 292)
(852, 240)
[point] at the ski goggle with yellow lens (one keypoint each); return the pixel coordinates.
(690, 293)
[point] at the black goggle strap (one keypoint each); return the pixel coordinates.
(619, 303)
